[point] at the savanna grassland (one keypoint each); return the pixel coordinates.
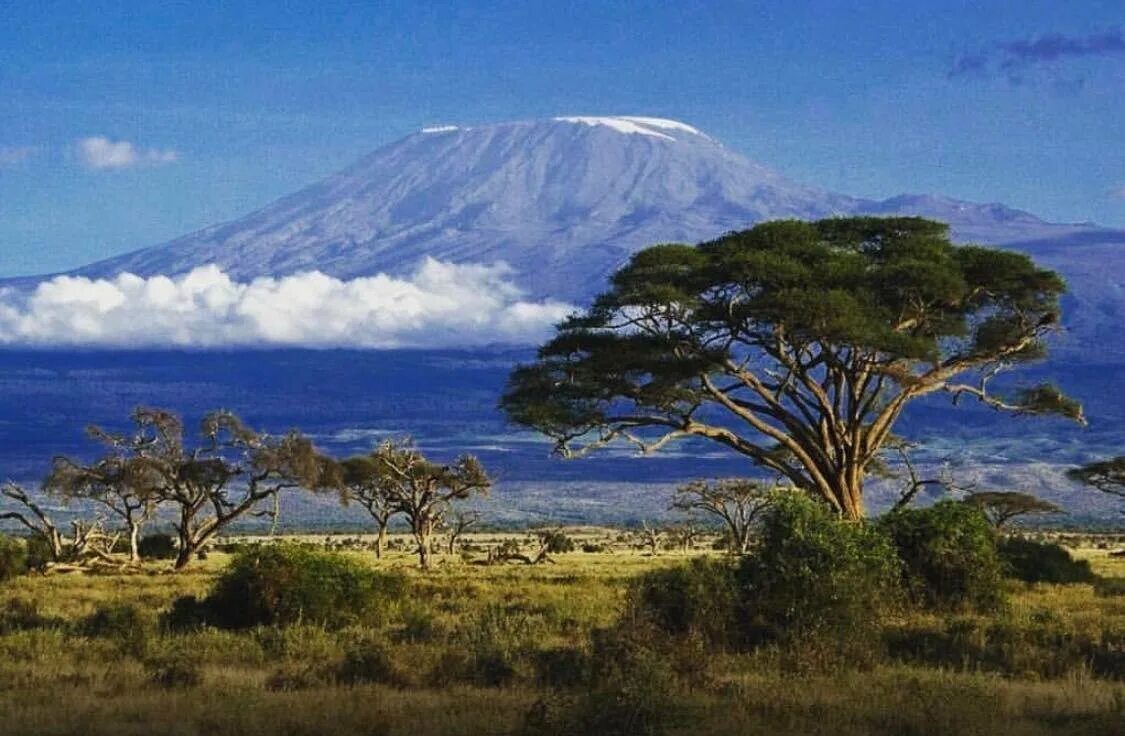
(506, 649)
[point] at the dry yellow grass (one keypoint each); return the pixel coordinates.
(55, 681)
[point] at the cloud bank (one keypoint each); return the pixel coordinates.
(99, 152)
(1015, 60)
(439, 305)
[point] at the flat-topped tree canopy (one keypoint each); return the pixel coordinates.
(797, 344)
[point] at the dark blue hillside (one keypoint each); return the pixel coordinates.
(350, 399)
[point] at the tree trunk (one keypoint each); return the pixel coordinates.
(381, 541)
(134, 542)
(423, 540)
(183, 557)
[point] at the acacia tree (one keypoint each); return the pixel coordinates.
(796, 344)
(128, 486)
(231, 473)
(423, 491)
(361, 479)
(458, 524)
(1002, 506)
(1107, 476)
(735, 501)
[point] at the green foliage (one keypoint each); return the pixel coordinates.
(13, 557)
(1002, 506)
(690, 341)
(699, 598)
(1105, 475)
(1043, 562)
(157, 547)
(39, 553)
(556, 541)
(949, 556)
(818, 582)
(1039, 645)
(370, 662)
(22, 614)
(121, 621)
(287, 584)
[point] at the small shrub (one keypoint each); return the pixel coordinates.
(697, 598)
(1043, 562)
(121, 621)
(369, 662)
(21, 614)
(288, 584)
(296, 677)
(1110, 587)
(1040, 646)
(186, 614)
(175, 672)
(557, 542)
(949, 555)
(635, 673)
(13, 557)
(561, 667)
(157, 547)
(39, 553)
(818, 586)
(419, 624)
(594, 548)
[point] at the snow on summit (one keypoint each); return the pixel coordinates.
(635, 125)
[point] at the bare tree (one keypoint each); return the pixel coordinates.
(423, 491)
(737, 502)
(1002, 506)
(685, 534)
(126, 486)
(651, 537)
(458, 523)
(87, 541)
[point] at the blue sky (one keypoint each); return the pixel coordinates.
(128, 123)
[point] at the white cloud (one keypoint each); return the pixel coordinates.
(99, 152)
(15, 155)
(441, 304)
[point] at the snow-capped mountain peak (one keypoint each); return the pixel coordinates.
(637, 125)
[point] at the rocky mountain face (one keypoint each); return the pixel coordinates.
(565, 201)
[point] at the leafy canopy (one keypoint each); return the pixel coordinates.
(797, 344)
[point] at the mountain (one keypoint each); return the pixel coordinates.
(565, 201)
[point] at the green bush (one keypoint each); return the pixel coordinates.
(1043, 562)
(818, 586)
(13, 557)
(558, 542)
(157, 547)
(121, 621)
(369, 662)
(39, 553)
(950, 557)
(699, 598)
(288, 584)
(1041, 645)
(22, 614)
(635, 673)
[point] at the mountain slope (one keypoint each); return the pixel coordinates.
(562, 201)
(566, 201)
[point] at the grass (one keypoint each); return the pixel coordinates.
(465, 625)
